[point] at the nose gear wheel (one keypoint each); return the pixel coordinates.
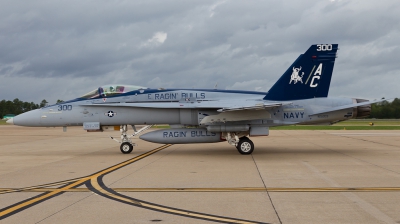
(126, 147)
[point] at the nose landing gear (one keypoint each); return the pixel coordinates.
(126, 146)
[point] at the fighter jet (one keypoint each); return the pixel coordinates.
(299, 97)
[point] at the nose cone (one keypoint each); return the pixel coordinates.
(30, 118)
(10, 121)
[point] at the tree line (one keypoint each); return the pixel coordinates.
(383, 110)
(18, 107)
(386, 110)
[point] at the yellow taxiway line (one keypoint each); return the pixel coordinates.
(233, 189)
(95, 184)
(33, 188)
(77, 183)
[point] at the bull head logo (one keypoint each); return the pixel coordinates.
(295, 77)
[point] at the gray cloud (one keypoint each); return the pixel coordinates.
(60, 50)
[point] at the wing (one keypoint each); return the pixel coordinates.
(258, 106)
(221, 105)
(229, 110)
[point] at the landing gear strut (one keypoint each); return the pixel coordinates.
(126, 145)
(126, 142)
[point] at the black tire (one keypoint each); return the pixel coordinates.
(242, 138)
(245, 146)
(126, 147)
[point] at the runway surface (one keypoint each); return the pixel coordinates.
(50, 176)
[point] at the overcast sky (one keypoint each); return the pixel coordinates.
(62, 49)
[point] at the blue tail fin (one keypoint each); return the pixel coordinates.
(308, 77)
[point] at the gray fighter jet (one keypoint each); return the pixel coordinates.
(209, 115)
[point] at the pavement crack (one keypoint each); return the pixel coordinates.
(76, 202)
(266, 189)
(367, 207)
(379, 143)
(364, 161)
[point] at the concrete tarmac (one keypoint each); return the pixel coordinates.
(50, 176)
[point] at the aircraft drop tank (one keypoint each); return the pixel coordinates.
(182, 136)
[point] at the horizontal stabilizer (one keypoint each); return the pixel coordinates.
(346, 107)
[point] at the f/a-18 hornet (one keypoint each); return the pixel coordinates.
(209, 115)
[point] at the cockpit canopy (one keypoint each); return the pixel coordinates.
(111, 90)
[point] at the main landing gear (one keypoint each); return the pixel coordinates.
(245, 146)
(126, 146)
(242, 143)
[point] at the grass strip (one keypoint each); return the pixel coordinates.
(336, 127)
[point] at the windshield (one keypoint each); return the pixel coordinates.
(111, 90)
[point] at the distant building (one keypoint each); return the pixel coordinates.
(8, 116)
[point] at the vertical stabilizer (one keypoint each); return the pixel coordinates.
(308, 77)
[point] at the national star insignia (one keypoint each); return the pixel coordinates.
(110, 113)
